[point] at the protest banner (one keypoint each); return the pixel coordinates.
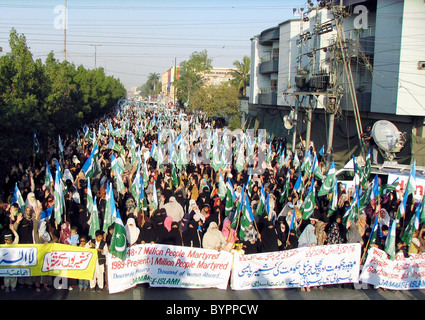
(169, 266)
(398, 274)
(301, 267)
(53, 259)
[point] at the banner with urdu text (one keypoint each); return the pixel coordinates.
(169, 266)
(295, 268)
(53, 259)
(398, 274)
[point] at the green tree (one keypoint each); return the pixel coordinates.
(192, 75)
(218, 100)
(241, 74)
(152, 85)
(51, 99)
(22, 93)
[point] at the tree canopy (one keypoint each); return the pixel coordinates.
(152, 85)
(192, 75)
(50, 99)
(241, 74)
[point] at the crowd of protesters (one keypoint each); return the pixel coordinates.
(191, 211)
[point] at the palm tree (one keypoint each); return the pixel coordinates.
(153, 80)
(241, 74)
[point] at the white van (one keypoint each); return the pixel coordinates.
(388, 173)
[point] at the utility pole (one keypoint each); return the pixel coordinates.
(338, 14)
(64, 32)
(174, 82)
(95, 53)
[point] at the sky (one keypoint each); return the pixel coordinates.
(132, 39)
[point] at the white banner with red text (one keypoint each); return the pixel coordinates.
(169, 266)
(398, 274)
(52, 259)
(295, 268)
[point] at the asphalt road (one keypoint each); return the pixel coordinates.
(144, 292)
(172, 303)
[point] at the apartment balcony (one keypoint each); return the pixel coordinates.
(268, 36)
(270, 66)
(267, 98)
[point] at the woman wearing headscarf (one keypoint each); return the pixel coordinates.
(269, 238)
(132, 232)
(282, 232)
(213, 238)
(167, 223)
(192, 236)
(173, 237)
(229, 234)
(214, 216)
(174, 209)
(195, 212)
(147, 234)
(157, 220)
(65, 233)
(334, 236)
(251, 244)
(308, 236)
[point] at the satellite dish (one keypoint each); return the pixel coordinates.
(288, 122)
(388, 138)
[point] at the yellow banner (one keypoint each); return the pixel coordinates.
(53, 259)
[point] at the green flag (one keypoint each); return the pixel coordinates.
(307, 207)
(390, 241)
(422, 211)
(89, 203)
(94, 219)
(261, 206)
(17, 198)
(317, 169)
(411, 227)
(182, 160)
(306, 165)
(296, 161)
(329, 183)
(48, 178)
(240, 158)
(110, 210)
(119, 239)
(175, 178)
(237, 216)
(359, 172)
(247, 218)
(154, 201)
(117, 172)
(368, 165)
(333, 205)
(59, 204)
(269, 155)
(286, 188)
(352, 212)
(135, 188)
(221, 187)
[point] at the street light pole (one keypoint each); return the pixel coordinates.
(64, 33)
(95, 53)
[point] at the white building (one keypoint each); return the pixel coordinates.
(297, 66)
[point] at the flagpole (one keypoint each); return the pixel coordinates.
(368, 242)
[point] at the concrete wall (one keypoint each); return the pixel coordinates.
(411, 79)
(387, 56)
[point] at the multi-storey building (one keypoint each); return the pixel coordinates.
(338, 67)
(213, 76)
